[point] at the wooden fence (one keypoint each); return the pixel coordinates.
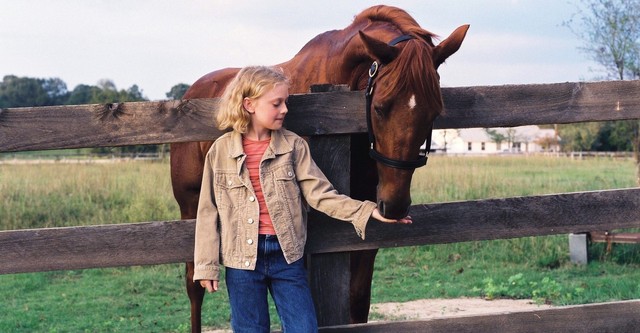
(332, 120)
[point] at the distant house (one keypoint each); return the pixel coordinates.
(523, 139)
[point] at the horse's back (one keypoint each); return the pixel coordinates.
(187, 158)
(212, 84)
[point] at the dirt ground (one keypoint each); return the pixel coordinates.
(437, 308)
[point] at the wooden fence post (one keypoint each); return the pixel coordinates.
(329, 273)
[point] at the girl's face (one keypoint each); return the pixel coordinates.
(267, 111)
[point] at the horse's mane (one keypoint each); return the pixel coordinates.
(407, 70)
(397, 17)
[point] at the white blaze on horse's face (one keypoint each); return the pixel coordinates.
(412, 102)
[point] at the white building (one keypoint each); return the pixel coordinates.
(523, 139)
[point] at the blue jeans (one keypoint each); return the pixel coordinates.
(287, 284)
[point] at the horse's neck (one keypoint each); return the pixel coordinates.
(322, 62)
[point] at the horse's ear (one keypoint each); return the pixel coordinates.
(449, 46)
(379, 49)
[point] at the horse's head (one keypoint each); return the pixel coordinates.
(403, 99)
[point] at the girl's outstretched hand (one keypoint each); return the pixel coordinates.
(210, 285)
(376, 215)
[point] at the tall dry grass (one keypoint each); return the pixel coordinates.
(469, 178)
(58, 195)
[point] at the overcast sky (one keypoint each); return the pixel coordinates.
(159, 43)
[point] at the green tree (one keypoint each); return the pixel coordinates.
(104, 92)
(25, 91)
(610, 31)
(134, 93)
(107, 92)
(579, 137)
(56, 90)
(81, 94)
(177, 91)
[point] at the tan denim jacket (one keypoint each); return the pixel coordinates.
(227, 221)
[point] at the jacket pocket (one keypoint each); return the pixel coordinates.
(230, 191)
(287, 184)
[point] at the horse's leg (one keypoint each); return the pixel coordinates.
(186, 177)
(362, 263)
(196, 297)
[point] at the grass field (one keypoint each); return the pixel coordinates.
(152, 299)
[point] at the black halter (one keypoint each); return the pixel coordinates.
(398, 164)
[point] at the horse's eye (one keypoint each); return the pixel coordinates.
(379, 109)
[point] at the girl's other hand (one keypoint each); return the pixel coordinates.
(376, 215)
(210, 285)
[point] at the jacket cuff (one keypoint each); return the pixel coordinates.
(362, 217)
(206, 273)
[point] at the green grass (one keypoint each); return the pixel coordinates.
(530, 267)
(106, 300)
(153, 299)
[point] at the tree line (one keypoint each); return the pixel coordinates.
(29, 92)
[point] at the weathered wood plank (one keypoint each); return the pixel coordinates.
(488, 219)
(132, 123)
(37, 250)
(534, 104)
(137, 123)
(602, 317)
(104, 125)
(169, 242)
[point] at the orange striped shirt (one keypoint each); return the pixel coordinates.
(254, 151)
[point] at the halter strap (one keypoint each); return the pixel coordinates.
(400, 39)
(398, 164)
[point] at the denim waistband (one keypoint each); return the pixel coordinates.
(268, 237)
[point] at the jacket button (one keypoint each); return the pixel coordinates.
(249, 241)
(247, 263)
(250, 221)
(252, 199)
(290, 173)
(230, 183)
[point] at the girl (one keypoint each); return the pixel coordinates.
(251, 214)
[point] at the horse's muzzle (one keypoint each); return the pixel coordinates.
(393, 211)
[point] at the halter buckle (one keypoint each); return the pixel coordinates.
(373, 70)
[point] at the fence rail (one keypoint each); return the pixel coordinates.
(133, 123)
(149, 243)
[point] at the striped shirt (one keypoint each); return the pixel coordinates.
(254, 151)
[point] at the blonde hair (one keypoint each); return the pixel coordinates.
(250, 82)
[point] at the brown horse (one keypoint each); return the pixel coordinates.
(383, 50)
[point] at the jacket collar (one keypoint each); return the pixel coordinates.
(279, 145)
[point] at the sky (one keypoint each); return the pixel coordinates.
(157, 44)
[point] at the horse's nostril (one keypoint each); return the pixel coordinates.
(381, 207)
